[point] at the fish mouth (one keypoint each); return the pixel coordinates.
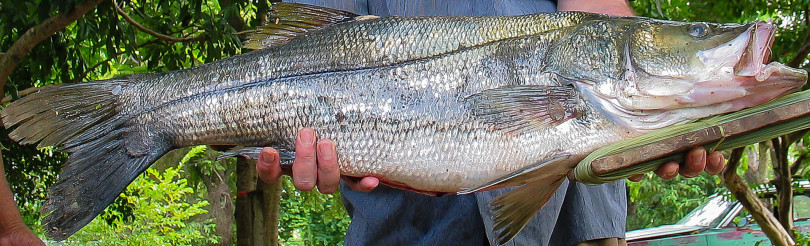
(751, 80)
(729, 77)
(761, 80)
(757, 53)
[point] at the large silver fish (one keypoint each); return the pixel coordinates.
(433, 104)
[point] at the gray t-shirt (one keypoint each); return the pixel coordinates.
(387, 216)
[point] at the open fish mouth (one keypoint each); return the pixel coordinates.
(739, 75)
(757, 52)
(724, 78)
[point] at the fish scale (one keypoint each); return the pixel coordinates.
(356, 45)
(433, 107)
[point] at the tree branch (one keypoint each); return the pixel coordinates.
(87, 71)
(150, 31)
(36, 34)
(770, 225)
(801, 55)
(782, 181)
(32, 90)
(244, 32)
(236, 22)
(797, 164)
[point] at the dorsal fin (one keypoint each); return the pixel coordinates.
(286, 21)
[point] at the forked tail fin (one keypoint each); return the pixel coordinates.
(107, 151)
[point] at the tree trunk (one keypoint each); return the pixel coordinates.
(219, 197)
(221, 207)
(770, 225)
(270, 203)
(783, 182)
(758, 159)
(257, 207)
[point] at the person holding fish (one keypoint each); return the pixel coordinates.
(439, 105)
(577, 213)
(13, 230)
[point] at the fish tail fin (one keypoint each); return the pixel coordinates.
(58, 115)
(107, 153)
(516, 208)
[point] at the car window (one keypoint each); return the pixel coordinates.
(767, 201)
(801, 207)
(709, 213)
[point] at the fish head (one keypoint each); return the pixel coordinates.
(677, 72)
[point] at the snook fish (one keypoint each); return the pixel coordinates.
(430, 104)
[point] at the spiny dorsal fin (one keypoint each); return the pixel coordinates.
(286, 21)
(515, 108)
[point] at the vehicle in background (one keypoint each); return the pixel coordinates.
(723, 221)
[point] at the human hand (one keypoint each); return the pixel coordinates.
(696, 162)
(19, 234)
(315, 164)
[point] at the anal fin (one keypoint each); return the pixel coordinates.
(286, 156)
(516, 176)
(514, 209)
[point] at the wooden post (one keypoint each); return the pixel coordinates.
(272, 198)
(257, 207)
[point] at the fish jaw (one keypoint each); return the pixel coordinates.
(741, 76)
(756, 54)
(729, 77)
(768, 82)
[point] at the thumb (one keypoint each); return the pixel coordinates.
(364, 184)
(267, 167)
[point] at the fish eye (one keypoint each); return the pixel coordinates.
(698, 30)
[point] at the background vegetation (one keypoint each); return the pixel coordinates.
(192, 203)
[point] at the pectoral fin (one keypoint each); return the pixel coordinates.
(516, 108)
(289, 20)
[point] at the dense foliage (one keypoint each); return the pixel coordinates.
(161, 214)
(102, 44)
(654, 202)
(311, 218)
